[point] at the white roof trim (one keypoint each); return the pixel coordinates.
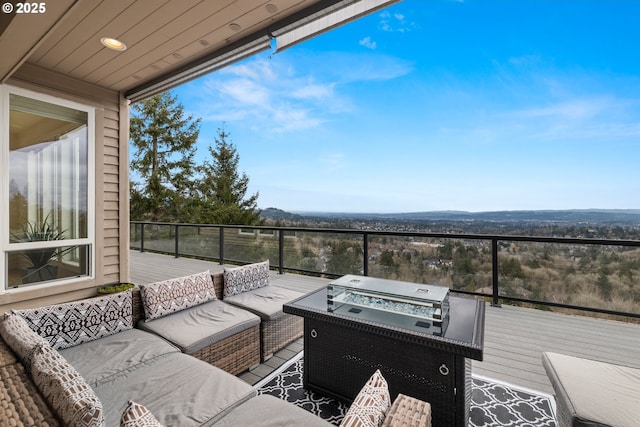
(325, 20)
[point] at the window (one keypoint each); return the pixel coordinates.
(47, 182)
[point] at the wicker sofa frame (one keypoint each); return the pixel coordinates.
(276, 334)
(21, 404)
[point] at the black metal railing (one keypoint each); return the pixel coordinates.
(594, 275)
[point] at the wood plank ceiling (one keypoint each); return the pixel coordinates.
(161, 35)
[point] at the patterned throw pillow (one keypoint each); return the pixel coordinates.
(169, 296)
(371, 405)
(73, 323)
(20, 337)
(246, 278)
(65, 390)
(137, 415)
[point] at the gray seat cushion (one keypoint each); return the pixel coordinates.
(266, 302)
(591, 393)
(179, 390)
(267, 411)
(198, 327)
(101, 359)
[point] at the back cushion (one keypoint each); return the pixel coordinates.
(169, 296)
(70, 324)
(65, 390)
(246, 278)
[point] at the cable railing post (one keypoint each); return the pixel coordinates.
(142, 237)
(176, 249)
(365, 253)
(281, 251)
(221, 248)
(494, 262)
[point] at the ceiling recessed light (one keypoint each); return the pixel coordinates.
(271, 8)
(235, 27)
(113, 44)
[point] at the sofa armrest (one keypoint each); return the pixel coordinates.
(21, 403)
(408, 411)
(7, 357)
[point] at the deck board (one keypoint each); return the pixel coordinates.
(515, 337)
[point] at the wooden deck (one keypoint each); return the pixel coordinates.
(515, 337)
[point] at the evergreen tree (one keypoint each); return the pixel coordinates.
(345, 258)
(222, 189)
(163, 140)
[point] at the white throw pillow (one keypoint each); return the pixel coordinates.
(170, 296)
(246, 278)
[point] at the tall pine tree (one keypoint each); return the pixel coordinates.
(223, 190)
(163, 141)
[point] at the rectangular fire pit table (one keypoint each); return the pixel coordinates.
(428, 361)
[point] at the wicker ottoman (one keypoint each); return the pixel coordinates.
(590, 393)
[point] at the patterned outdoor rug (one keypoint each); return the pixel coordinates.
(492, 404)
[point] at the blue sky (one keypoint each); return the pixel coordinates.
(440, 105)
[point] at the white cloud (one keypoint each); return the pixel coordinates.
(245, 91)
(395, 22)
(573, 110)
(278, 96)
(365, 66)
(582, 118)
(368, 43)
(314, 91)
(334, 161)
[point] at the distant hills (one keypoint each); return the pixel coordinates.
(279, 215)
(572, 216)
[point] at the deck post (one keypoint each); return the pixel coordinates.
(221, 248)
(281, 251)
(495, 301)
(365, 253)
(142, 237)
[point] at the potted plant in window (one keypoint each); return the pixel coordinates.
(40, 268)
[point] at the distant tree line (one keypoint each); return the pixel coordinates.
(168, 185)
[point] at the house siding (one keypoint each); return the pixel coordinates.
(111, 186)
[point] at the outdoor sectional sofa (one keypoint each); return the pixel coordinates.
(85, 364)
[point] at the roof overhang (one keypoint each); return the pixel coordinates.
(168, 42)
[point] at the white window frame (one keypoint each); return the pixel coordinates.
(5, 92)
